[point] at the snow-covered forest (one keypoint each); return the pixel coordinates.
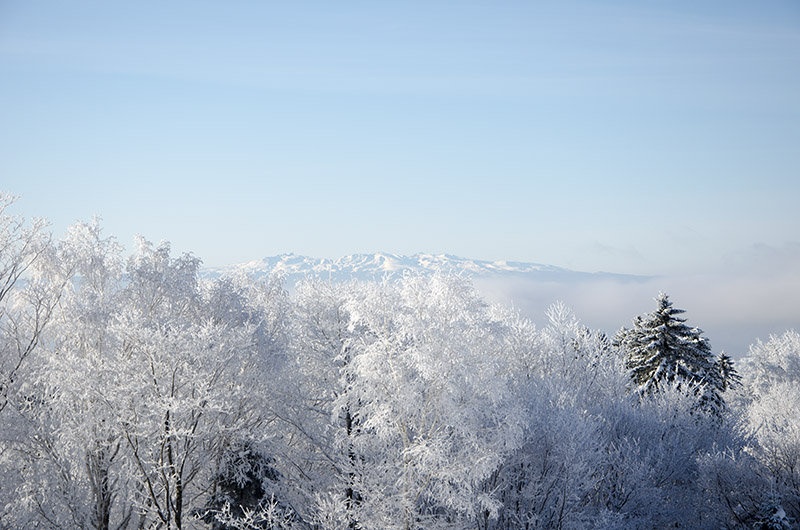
(134, 393)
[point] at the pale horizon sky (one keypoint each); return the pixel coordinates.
(631, 137)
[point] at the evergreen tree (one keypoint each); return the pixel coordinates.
(244, 495)
(662, 350)
(729, 377)
(771, 515)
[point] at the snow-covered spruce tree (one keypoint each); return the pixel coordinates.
(245, 495)
(729, 376)
(661, 350)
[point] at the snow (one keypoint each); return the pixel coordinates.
(379, 265)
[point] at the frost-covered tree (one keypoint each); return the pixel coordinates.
(772, 362)
(188, 385)
(568, 374)
(661, 350)
(318, 422)
(32, 277)
(428, 384)
(771, 376)
(71, 422)
(147, 383)
(34, 271)
(752, 481)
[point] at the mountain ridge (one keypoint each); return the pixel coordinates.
(382, 264)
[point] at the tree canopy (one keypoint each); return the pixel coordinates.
(137, 393)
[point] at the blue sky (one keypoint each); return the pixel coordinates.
(636, 137)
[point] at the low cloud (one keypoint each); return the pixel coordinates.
(758, 295)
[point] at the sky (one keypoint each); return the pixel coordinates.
(644, 137)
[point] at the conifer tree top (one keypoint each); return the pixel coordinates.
(662, 350)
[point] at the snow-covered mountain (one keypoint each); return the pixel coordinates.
(376, 266)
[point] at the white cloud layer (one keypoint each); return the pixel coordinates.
(755, 295)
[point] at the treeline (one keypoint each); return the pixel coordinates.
(136, 394)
